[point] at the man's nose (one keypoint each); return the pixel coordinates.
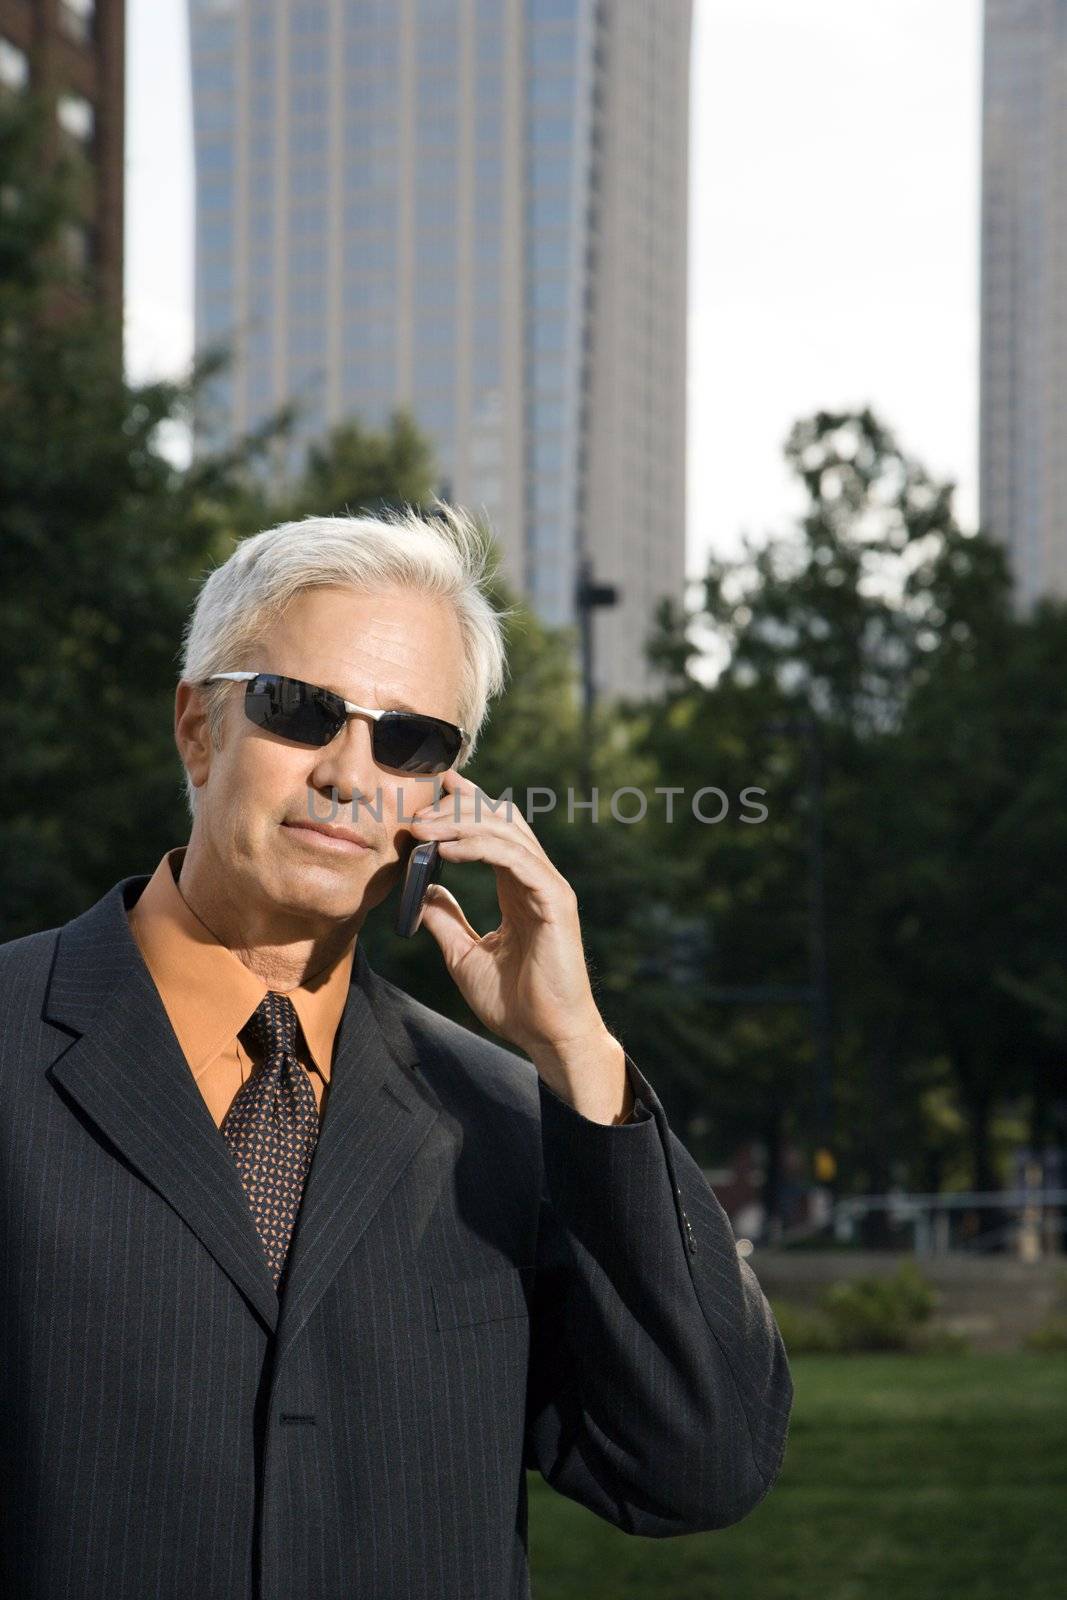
(346, 766)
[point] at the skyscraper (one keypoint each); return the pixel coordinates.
(1023, 443)
(70, 53)
(477, 208)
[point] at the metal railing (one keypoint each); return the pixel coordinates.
(1032, 1221)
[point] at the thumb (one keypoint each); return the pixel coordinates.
(443, 915)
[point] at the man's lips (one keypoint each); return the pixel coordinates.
(322, 836)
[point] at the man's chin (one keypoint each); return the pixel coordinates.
(327, 883)
(329, 888)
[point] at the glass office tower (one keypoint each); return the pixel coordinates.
(476, 208)
(1023, 427)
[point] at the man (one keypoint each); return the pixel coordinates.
(300, 1276)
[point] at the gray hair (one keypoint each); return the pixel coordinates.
(445, 554)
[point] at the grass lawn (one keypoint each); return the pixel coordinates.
(905, 1478)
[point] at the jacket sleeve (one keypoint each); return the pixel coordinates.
(659, 1389)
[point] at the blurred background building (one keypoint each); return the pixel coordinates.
(1023, 429)
(71, 54)
(477, 208)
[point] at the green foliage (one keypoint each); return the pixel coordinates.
(34, 205)
(874, 1313)
(904, 726)
(938, 720)
(862, 1314)
(104, 542)
(1050, 1336)
(358, 469)
(804, 1331)
(99, 544)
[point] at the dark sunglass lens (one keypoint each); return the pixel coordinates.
(293, 710)
(415, 744)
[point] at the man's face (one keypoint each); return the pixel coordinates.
(394, 650)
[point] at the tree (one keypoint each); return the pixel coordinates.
(884, 621)
(357, 468)
(104, 542)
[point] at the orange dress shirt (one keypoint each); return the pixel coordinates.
(209, 994)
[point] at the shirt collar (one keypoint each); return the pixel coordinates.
(207, 991)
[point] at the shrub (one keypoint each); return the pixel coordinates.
(1050, 1338)
(876, 1313)
(803, 1331)
(868, 1314)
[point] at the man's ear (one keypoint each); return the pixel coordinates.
(191, 732)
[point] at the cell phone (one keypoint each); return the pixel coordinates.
(424, 863)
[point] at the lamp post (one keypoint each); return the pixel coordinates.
(588, 596)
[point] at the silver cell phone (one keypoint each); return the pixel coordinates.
(424, 863)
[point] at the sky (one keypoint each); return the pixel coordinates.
(833, 235)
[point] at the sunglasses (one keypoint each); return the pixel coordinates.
(405, 741)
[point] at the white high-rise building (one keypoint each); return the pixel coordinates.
(1023, 444)
(476, 208)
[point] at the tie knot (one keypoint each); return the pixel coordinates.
(274, 1026)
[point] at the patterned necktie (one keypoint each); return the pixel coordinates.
(272, 1126)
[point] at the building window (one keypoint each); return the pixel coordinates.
(490, 43)
(217, 317)
(554, 91)
(213, 74)
(548, 453)
(76, 18)
(549, 130)
(548, 209)
(551, 11)
(374, 375)
(436, 130)
(76, 117)
(211, 156)
(486, 370)
(14, 66)
(549, 294)
(550, 48)
(215, 112)
(216, 196)
(433, 333)
(547, 413)
(551, 172)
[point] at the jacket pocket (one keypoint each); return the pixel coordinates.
(493, 1297)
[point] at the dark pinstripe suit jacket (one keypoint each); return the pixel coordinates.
(481, 1281)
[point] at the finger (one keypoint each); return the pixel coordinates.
(453, 789)
(462, 798)
(501, 815)
(520, 821)
(446, 920)
(505, 854)
(472, 802)
(451, 779)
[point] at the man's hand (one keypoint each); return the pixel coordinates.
(527, 980)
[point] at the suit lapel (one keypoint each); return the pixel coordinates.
(377, 1115)
(128, 1073)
